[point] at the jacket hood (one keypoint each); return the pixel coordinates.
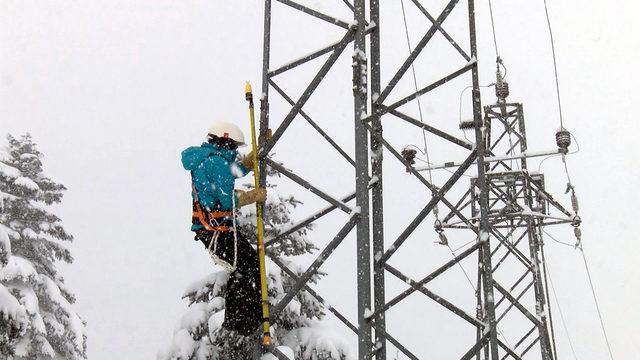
(193, 156)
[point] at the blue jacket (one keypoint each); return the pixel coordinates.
(214, 171)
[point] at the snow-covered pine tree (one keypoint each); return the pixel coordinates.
(199, 335)
(36, 316)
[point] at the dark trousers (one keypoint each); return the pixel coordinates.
(242, 298)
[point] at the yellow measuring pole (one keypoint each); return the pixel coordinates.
(266, 332)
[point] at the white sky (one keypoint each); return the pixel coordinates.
(113, 90)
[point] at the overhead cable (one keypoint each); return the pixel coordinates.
(595, 299)
(555, 63)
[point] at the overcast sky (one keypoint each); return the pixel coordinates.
(112, 91)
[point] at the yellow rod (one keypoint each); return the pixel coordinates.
(266, 332)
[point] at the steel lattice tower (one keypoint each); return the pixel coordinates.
(504, 208)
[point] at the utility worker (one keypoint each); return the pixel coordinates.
(214, 166)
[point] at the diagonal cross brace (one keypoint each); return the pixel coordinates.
(522, 293)
(307, 221)
(335, 312)
(418, 49)
(440, 300)
(313, 124)
(509, 351)
(313, 268)
(430, 205)
(517, 304)
(431, 129)
(304, 59)
(328, 64)
(442, 31)
(308, 289)
(427, 279)
(476, 348)
(317, 14)
(424, 181)
(300, 181)
(312, 218)
(428, 88)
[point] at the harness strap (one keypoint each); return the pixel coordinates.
(205, 218)
(212, 214)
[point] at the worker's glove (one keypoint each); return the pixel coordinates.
(251, 196)
(247, 160)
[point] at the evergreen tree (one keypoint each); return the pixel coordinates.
(36, 316)
(297, 330)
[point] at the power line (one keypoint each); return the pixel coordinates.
(579, 245)
(493, 29)
(555, 64)
(595, 299)
(593, 291)
(415, 84)
(564, 324)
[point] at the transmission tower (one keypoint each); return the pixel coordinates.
(501, 214)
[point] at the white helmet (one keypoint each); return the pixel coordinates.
(227, 130)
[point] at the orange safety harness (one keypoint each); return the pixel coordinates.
(209, 219)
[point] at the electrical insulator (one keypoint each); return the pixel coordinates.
(409, 155)
(574, 202)
(563, 139)
(438, 225)
(502, 89)
(443, 239)
(578, 233)
(441, 236)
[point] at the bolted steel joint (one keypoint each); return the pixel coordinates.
(576, 221)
